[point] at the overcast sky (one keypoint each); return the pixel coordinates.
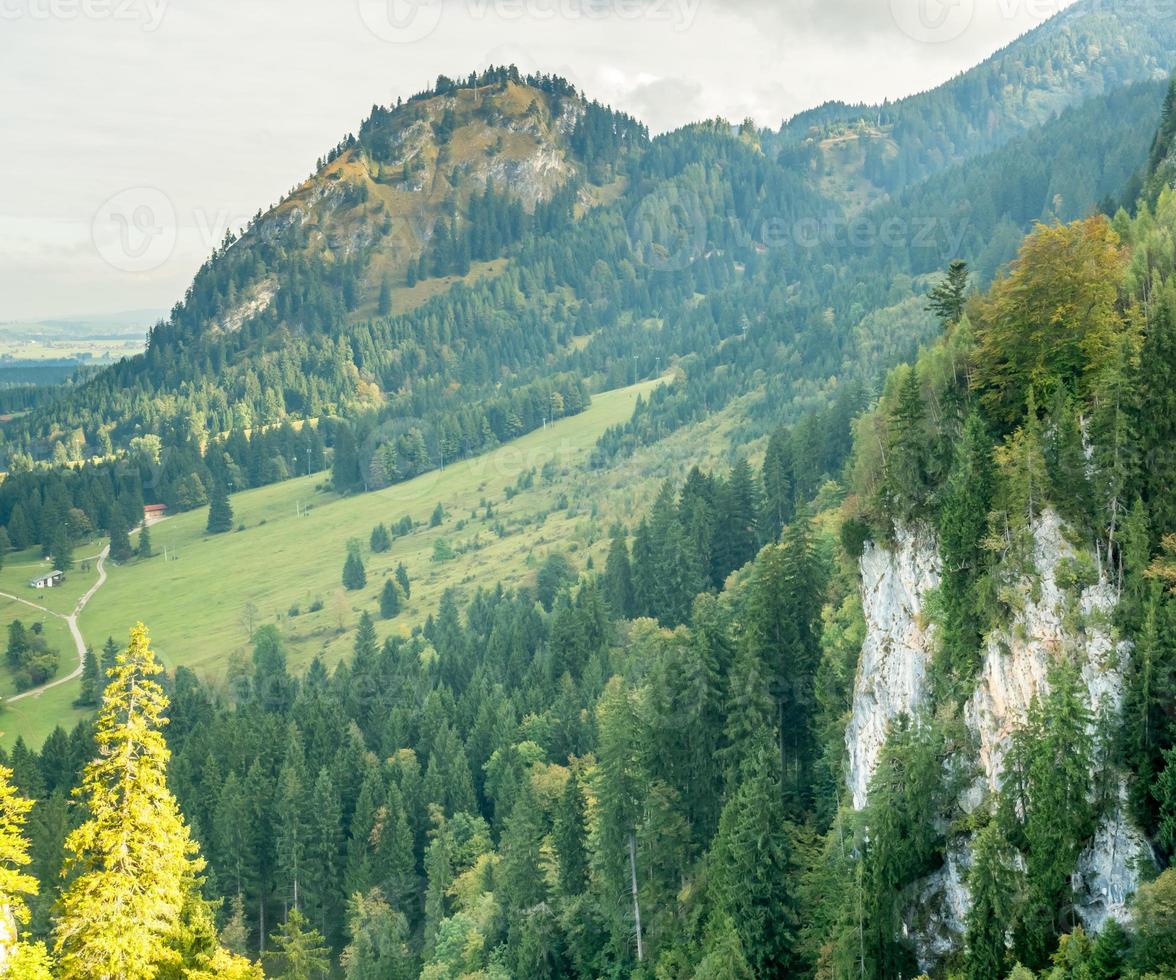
(171, 120)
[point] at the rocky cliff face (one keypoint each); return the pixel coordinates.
(1054, 620)
(897, 652)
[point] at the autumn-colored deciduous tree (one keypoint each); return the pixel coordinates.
(1053, 320)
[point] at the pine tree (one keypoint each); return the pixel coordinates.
(570, 837)
(946, 300)
(1156, 413)
(132, 864)
(402, 580)
(618, 577)
(144, 548)
(299, 951)
(992, 888)
(646, 586)
(345, 473)
(120, 541)
(521, 868)
(354, 576)
(963, 521)
(389, 600)
(109, 661)
(380, 540)
(621, 794)
(324, 857)
(379, 940)
(220, 512)
(291, 813)
(906, 459)
(91, 684)
(61, 550)
(749, 864)
(779, 492)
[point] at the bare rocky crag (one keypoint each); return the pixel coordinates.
(892, 679)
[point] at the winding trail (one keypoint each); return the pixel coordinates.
(72, 622)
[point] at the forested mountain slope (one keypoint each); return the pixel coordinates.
(1089, 49)
(920, 721)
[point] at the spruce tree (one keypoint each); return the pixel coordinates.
(402, 580)
(570, 838)
(380, 540)
(91, 683)
(132, 864)
(354, 576)
(61, 550)
(946, 299)
(992, 887)
(120, 541)
(779, 492)
(618, 577)
(379, 940)
(749, 864)
(345, 464)
(963, 521)
(299, 950)
(144, 548)
(108, 662)
(220, 512)
(389, 600)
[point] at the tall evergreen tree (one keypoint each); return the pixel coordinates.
(120, 541)
(963, 521)
(946, 299)
(220, 512)
(354, 576)
(618, 577)
(389, 600)
(749, 864)
(570, 838)
(144, 547)
(90, 686)
(992, 888)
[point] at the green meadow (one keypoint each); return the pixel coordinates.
(201, 594)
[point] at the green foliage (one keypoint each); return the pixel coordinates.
(963, 521)
(354, 576)
(1053, 321)
(390, 600)
(749, 866)
(298, 952)
(1045, 809)
(946, 300)
(220, 512)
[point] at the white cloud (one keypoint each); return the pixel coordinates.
(223, 105)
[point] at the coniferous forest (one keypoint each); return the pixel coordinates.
(886, 688)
